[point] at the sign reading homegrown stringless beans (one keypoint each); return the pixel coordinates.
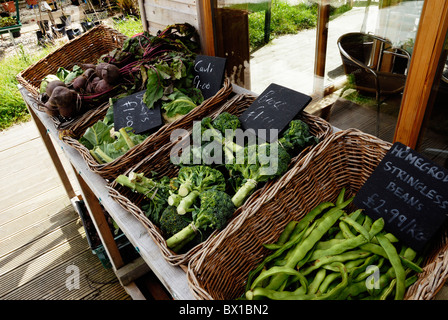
(410, 192)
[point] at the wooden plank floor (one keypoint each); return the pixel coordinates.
(43, 244)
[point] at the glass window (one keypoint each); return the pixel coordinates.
(433, 138)
(368, 48)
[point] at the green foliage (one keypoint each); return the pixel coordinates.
(12, 107)
(285, 19)
(104, 144)
(170, 80)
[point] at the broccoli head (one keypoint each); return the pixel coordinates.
(216, 208)
(296, 137)
(193, 181)
(171, 222)
(261, 163)
(226, 121)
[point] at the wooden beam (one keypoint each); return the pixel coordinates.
(427, 50)
(321, 47)
(52, 152)
(206, 30)
(97, 215)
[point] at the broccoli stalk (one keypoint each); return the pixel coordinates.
(156, 192)
(195, 180)
(126, 137)
(259, 166)
(215, 209)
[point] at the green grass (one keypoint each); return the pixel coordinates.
(286, 19)
(129, 27)
(12, 107)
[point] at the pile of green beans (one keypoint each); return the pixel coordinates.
(334, 255)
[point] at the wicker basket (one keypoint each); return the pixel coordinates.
(150, 145)
(160, 163)
(87, 48)
(345, 159)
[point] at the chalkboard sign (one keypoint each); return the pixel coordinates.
(131, 111)
(410, 192)
(273, 110)
(209, 74)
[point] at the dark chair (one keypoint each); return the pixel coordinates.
(376, 67)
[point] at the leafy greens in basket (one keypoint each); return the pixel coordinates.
(105, 144)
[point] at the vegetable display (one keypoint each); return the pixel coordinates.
(249, 165)
(202, 198)
(160, 64)
(105, 144)
(202, 208)
(331, 254)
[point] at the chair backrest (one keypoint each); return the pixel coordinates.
(362, 54)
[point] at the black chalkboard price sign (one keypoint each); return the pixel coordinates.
(410, 192)
(209, 74)
(131, 111)
(273, 110)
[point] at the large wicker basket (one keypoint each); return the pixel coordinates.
(151, 144)
(160, 163)
(345, 159)
(87, 48)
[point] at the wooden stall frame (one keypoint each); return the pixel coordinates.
(94, 192)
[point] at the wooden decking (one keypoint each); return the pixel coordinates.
(41, 235)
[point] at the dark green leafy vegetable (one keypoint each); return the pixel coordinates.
(156, 193)
(193, 181)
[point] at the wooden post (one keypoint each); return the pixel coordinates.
(206, 29)
(321, 47)
(427, 50)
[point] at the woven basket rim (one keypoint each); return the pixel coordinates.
(95, 29)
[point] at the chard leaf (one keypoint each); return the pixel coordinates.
(180, 104)
(154, 89)
(98, 134)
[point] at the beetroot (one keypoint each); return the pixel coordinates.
(108, 72)
(51, 110)
(103, 86)
(86, 66)
(65, 100)
(80, 83)
(89, 74)
(92, 84)
(53, 84)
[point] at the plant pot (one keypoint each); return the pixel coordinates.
(59, 29)
(66, 20)
(16, 34)
(43, 25)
